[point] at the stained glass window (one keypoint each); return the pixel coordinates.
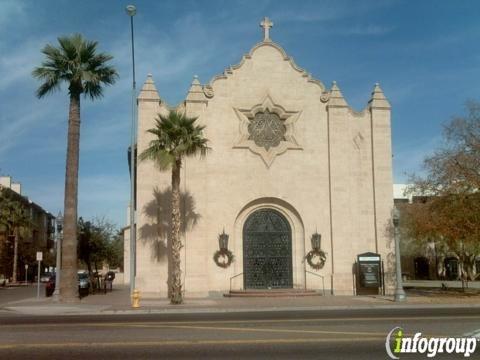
(266, 129)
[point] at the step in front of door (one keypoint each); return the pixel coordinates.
(272, 293)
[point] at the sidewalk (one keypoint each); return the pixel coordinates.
(118, 302)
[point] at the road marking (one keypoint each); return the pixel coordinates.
(182, 342)
(475, 333)
(299, 331)
(324, 332)
(372, 319)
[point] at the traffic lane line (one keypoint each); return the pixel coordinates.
(185, 343)
(245, 329)
(272, 331)
(369, 319)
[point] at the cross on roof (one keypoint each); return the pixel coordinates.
(266, 24)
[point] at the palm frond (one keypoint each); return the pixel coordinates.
(176, 136)
(75, 61)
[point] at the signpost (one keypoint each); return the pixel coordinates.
(39, 259)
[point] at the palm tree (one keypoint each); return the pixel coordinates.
(74, 62)
(14, 217)
(176, 136)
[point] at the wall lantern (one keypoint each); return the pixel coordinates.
(316, 241)
(223, 257)
(316, 257)
(223, 240)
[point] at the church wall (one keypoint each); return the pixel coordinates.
(232, 177)
(324, 185)
(381, 130)
(151, 274)
(341, 204)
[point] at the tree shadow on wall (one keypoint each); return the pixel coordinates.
(156, 233)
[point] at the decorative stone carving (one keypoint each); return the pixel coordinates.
(267, 129)
(208, 91)
(325, 97)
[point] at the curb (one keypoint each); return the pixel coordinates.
(106, 310)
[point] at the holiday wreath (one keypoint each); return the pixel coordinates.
(225, 255)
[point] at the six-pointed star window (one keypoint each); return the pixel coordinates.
(267, 129)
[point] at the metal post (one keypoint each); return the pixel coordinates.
(131, 11)
(58, 235)
(38, 280)
(26, 274)
(399, 292)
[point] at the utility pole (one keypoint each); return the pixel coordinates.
(131, 11)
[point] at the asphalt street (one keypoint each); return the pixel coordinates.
(9, 294)
(358, 334)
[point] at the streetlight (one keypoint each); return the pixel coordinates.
(399, 292)
(131, 11)
(58, 235)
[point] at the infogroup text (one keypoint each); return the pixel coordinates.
(396, 344)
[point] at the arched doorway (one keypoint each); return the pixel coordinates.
(267, 251)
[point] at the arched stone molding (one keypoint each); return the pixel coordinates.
(298, 235)
(230, 70)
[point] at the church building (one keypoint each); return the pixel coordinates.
(297, 184)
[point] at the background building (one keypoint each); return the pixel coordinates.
(38, 237)
(427, 260)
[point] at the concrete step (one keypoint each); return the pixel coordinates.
(271, 293)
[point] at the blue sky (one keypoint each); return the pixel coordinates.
(425, 54)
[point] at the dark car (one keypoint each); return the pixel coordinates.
(83, 285)
(50, 286)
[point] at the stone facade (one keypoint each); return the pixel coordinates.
(279, 140)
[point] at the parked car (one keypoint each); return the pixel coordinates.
(45, 277)
(50, 286)
(83, 285)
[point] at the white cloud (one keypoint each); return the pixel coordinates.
(329, 10)
(16, 65)
(14, 126)
(173, 57)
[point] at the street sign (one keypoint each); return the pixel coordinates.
(368, 258)
(39, 259)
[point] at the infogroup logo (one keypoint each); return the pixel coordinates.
(396, 344)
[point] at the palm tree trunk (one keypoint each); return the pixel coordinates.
(176, 296)
(15, 255)
(69, 283)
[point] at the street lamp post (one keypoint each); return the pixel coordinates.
(58, 235)
(399, 292)
(131, 11)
